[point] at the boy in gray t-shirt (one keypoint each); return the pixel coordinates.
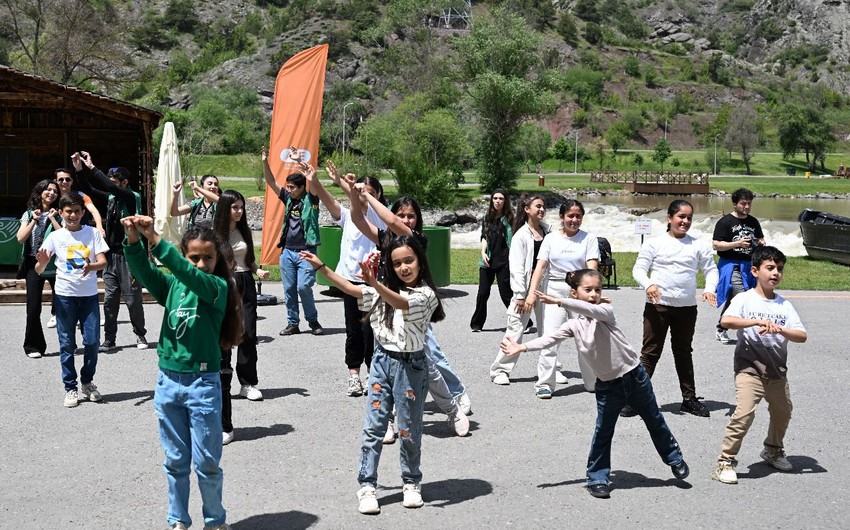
(765, 322)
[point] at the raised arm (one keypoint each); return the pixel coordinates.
(178, 209)
(316, 188)
(267, 172)
(394, 224)
(358, 217)
(95, 214)
(204, 193)
(333, 174)
(341, 283)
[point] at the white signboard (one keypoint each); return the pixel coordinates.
(643, 227)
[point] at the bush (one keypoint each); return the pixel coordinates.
(593, 34)
(675, 162)
(631, 66)
(580, 118)
(638, 159)
(181, 15)
(567, 29)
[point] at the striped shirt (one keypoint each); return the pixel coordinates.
(409, 326)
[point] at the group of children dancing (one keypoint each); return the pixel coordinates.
(211, 307)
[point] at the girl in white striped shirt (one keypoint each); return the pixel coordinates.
(399, 311)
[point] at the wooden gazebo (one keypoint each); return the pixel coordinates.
(43, 122)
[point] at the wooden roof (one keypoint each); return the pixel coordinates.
(40, 92)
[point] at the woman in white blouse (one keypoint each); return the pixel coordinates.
(671, 303)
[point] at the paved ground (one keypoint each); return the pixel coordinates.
(293, 464)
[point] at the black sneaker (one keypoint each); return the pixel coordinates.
(291, 329)
(681, 470)
(627, 412)
(695, 407)
(316, 328)
(107, 346)
(600, 491)
(476, 330)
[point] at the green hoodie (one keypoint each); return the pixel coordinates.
(194, 302)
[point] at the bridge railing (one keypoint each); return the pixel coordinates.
(648, 177)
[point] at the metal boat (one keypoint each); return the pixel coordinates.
(826, 236)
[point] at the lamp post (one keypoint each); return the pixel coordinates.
(715, 155)
(344, 126)
(575, 153)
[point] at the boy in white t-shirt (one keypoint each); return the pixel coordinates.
(765, 322)
(76, 293)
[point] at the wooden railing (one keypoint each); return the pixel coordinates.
(648, 177)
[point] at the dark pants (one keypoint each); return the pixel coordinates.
(226, 380)
(246, 354)
(359, 340)
(34, 334)
(118, 281)
(635, 390)
(486, 275)
(681, 321)
(736, 288)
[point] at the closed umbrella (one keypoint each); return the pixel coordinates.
(167, 175)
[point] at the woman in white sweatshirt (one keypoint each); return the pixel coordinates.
(529, 231)
(673, 260)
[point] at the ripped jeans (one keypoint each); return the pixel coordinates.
(399, 379)
(188, 407)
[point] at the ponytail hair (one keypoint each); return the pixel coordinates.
(574, 278)
(521, 216)
(231, 326)
(674, 208)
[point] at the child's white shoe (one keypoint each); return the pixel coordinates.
(368, 500)
(412, 496)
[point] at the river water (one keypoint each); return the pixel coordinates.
(613, 217)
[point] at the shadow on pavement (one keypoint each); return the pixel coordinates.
(712, 406)
(142, 395)
(274, 393)
(446, 292)
(625, 480)
(246, 434)
(444, 492)
(293, 520)
(803, 465)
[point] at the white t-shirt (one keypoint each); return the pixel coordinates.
(764, 355)
(568, 254)
(673, 262)
(354, 246)
(409, 326)
(71, 250)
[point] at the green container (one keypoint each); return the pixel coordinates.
(328, 251)
(439, 254)
(10, 249)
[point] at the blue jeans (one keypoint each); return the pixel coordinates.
(400, 379)
(188, 406)
(436, 356)
(633, 389)
(298, 278)
(69, 311)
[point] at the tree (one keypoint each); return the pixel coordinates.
(533, 142)
(615, 137)
(593, 33)
(499, 57)
(744, 133)
(804, 128)
(567, 29)
(662, 152)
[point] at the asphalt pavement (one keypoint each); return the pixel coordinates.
(294, 462)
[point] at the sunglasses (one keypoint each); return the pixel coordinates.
(65, 179)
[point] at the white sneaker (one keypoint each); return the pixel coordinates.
(501, 379)
(227, 437)
(72, 399)
(368, 501)
(52, 322)
(560, 378)
(412, 496)
(464, 403)
(251, 392)
(355, 386)
(90, 392)
(179, 526)
(778, 460)
(724, 338)
(34, 354)
(141, 342)
(389, 436)
(459, 422)
(725, 473)
(223, 526)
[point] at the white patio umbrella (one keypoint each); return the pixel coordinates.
(168, 174)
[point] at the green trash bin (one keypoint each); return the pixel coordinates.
(10, 249)
(439, 254)
(328, 251)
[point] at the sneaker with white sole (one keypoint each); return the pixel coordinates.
(72, 399)
(778, 460)
(227, 437)
(179, 526)
(107, 346)
(355, 386)
(459, 422)
(501, 379)
(251, 393)
(412, 496)
(390, 435)
(543, 393)
(464, 403)
(33, 354)
(89, 391)
(368, 499)
(52, 322)
(724, 338)
(141, 342)
(560, 378)
(223, 526)
(725, 473)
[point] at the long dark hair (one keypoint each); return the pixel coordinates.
(674, 208)
(231, 325)
(521, 215)
(409, 201)
(221, 223)
(34, 201)
(493, 215)
(567, 205)
(394, 283)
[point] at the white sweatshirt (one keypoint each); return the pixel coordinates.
(674, 262)
(521, 259)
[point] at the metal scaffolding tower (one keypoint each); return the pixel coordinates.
(459, 17)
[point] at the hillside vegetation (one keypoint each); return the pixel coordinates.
(429, 102)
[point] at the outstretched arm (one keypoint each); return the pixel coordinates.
(315, 186)
(267, 172)
(205, 193)
(394, 224)
(358, 217)
(341, 283)
(178, 209)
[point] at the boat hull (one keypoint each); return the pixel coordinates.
(826, 236)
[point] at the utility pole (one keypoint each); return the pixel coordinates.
(575, 153)
(344, 126)
(715, 155)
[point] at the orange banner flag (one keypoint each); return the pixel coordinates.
(296, 118)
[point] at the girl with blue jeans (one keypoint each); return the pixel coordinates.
(202, 315)
(406, 299)
(620, 378)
